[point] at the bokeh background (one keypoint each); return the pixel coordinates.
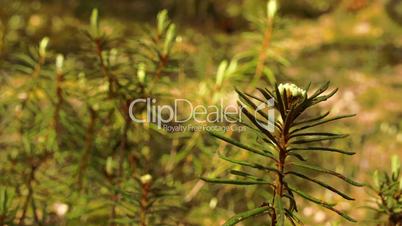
(355, 44)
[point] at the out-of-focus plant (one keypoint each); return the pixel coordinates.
(387, 188)
(225, 71)
(128, 143)
(85, 132)
(284, 150)
(153, 202)
(37, 134)
(254, 60)
(7, 211)
(155, 50)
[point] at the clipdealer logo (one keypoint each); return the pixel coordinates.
(183, 112)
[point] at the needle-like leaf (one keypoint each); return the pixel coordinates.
(323, 204)
(243, 146)
(322, 122)
(321, 184)
(321, 149)
(245, 215)
(326, 171)
(235, 182)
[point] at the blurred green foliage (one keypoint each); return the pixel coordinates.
(387, 194)
(70, 155)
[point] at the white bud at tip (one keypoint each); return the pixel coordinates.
(59, 62)
(291, 89)
(141, 72)
(146, 179)
(42, 46)
(60, 208)
(272, 7)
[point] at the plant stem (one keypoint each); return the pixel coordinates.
(122, 153)
(105, 69)
(279, 186)
(124, 140)
(34, 75)
(88, 146)
(59, 102)
(263, 52)
(35, 214)
(113, 210)
(273, 217)
(29, 196)
(144, 204)
(163, 60)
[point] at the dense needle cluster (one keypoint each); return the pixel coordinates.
(286, 149)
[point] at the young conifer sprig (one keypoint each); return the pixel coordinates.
(149, 201)
(388, 193)
(286, 145)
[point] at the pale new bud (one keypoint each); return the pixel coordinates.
(291, 89)
(146, 179)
